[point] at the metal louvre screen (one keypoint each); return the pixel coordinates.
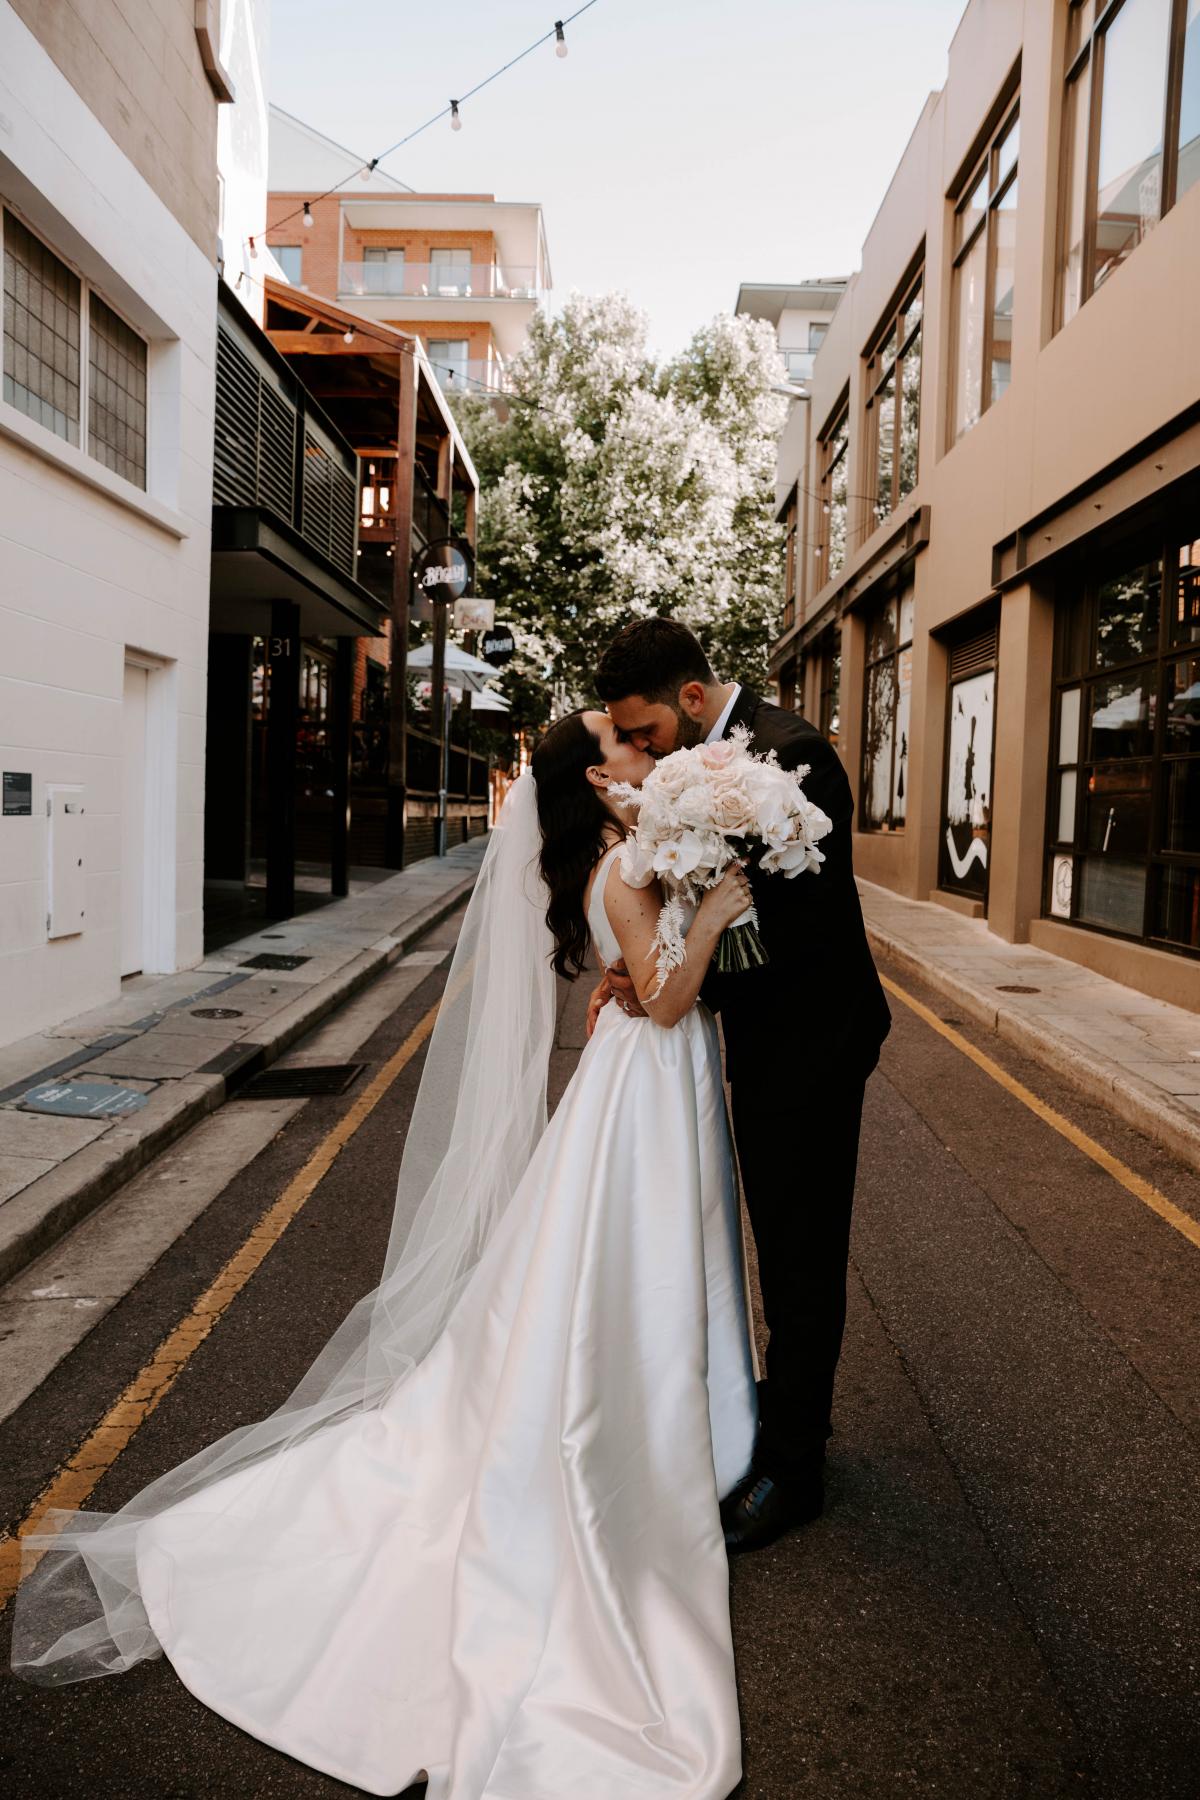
(254, 459)
(975, 655)
(328, 505)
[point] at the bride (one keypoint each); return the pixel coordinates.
(481, 1540)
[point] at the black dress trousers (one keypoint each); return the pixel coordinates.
(799, 1202)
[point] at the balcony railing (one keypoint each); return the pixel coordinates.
(432, 281)
(798, 364)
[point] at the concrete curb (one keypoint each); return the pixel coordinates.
(1139, 1105)
(34, 1220)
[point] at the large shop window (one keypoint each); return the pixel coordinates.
(1131, 133)
(985, 229)
(885, 714)
(1124, 806)
(893, 380)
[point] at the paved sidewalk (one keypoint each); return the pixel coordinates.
(156, 1040)
(1137, 1055)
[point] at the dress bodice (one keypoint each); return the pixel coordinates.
(603, 935)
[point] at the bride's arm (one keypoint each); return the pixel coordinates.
(633, 915)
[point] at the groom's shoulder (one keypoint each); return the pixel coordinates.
(775, 728)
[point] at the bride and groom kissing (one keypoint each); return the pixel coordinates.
(484, 1542)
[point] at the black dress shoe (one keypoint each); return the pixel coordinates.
(760, 1509)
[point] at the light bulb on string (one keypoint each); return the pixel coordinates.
(348, 335)
(368, 169)
(455, 121)
(560, 39)
(253, 250)
(308, 218)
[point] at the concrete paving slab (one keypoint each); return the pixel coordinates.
(45, 1134)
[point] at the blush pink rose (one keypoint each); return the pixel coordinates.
(716, 756)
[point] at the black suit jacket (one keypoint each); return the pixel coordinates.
(820, 989)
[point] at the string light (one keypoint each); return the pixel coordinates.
(253, 248)
(557, 32)
(308, 218)
(348, 335)
(455, 121)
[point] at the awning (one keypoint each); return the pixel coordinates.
(257, 559)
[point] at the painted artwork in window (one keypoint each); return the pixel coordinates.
(967, 804)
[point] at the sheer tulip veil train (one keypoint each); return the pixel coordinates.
(482, 1537)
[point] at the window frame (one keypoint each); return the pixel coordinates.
(791, 560)
(876, 378)
(1086, 64)
(86, 289)
(1076, 619)
(986, 164)
(837, 427)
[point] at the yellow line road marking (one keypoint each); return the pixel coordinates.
(70, 1487)
(1135, 1184)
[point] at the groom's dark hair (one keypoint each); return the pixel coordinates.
(653, 658)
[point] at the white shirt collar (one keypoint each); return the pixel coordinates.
(718, 730)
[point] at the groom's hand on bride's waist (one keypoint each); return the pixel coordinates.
(617, 985)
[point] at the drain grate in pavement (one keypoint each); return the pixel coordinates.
(272, 959)
(298, 1084)
(215, 1012)
(1014, 987)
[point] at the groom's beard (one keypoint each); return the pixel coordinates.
(690, 732)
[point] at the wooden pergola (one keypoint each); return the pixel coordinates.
(376, 384)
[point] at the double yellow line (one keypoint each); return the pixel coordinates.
(73, 1483)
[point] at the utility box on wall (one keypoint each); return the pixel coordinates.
(64, 860)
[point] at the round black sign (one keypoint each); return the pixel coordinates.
(441, 571)
(498, 645)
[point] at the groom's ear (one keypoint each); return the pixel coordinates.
(692, 698)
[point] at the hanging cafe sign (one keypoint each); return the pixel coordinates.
(441, 571)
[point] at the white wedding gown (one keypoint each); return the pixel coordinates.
(513, 1574)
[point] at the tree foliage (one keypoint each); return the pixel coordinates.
(616, 488)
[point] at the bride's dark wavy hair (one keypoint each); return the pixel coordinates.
(573, 821)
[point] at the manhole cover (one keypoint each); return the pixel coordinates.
(1013, 987)
(298, 1084)
(271, 959)
(84, 1099)
(215, 1012)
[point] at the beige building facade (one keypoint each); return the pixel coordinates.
(992, 494)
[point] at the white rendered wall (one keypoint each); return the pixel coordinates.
(92, 569)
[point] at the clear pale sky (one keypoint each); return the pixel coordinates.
(680, 149)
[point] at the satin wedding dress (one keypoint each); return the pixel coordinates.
(511, 1573)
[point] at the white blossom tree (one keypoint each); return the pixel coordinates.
(615, 489)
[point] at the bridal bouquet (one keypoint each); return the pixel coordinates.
(700, 810)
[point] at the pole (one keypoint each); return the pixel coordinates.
(340, 752)
(402, 514)
(438, 716)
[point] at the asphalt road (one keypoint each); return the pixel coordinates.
(1002, 1597)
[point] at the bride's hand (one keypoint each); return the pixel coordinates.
(729, 899)
(600, 997)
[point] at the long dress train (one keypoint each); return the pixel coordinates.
(512, 1575)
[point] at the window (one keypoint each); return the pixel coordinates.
(886, 712)
(290, 258)
(116, 394)
(449, 358)
(1123, 833)
(1131, 133)
(55, 324)
(835, 493)
(894, 404)
(790, 561)
(450, 272)
(985, 221)
(831, 684)
(383, 270)
(816, 334)
(42, 317)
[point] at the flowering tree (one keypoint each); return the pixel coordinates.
(616, 489)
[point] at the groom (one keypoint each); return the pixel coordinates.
(802, 1033)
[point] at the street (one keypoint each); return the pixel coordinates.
(1001, 1599)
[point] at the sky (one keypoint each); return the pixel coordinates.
(680, 149)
